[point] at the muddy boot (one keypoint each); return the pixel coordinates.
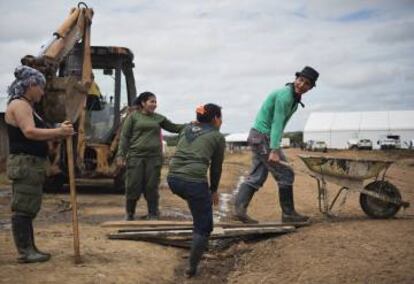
(289, 214)
(198, 246)
(33, 241)
(130, 209)
(153, 212)
(23, 241)
(242, 200)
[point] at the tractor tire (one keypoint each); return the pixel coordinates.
(376, 208)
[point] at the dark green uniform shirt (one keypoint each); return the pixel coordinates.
(195, 155)
(141, 134)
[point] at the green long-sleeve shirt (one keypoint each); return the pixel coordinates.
(275, 114)
(141, 134)
(195, 155)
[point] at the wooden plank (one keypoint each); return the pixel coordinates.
(145, 223)
(161, 228)
(216, 229)
(149, 234)
(262, 224)
(217, 233)
(179, 243)
(238, 232)
(173, 223)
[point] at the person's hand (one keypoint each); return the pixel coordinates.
(274, 157)
(66, 129)
(215, 198)
(120, 162)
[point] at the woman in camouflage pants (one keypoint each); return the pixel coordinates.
(26, 164)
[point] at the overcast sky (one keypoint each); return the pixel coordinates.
(234, 53)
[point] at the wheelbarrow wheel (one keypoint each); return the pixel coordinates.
(377, 208)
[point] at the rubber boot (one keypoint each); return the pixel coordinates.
(33, 241)
(289, 214)
(242, 200)
(198, 246)
(153, 212)
(130, 209)
(23, 241)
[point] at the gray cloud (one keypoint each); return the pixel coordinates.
(234, 53)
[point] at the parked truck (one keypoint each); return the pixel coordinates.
(389, 142)
(71, 67)
(359, 144)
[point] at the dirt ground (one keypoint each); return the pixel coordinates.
(349, 248)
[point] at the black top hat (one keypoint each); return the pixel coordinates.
(309, 73)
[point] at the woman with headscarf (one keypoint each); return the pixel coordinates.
(140, 150)
(26, 163)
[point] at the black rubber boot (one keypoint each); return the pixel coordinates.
(153, 212)
(289, 214)
(130, 209)
(33, 241)
(23, 240)
(242, 200)
(198, 246)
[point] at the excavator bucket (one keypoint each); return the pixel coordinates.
(64, 99)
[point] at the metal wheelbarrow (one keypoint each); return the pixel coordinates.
(378, 198)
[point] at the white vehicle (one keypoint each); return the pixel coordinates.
(390, 142)
(352, 144)
(316, 146)
(364, 144)
(359, 144)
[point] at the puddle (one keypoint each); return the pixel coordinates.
(226, 203)
(175, 214)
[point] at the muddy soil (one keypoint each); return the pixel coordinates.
(349, 248)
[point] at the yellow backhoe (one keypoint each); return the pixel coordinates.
(87, 85)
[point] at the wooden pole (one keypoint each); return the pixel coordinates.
(72, 185)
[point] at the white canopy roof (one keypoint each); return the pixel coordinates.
(360, 121)
(237, 137)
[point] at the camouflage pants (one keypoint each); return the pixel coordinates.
(261, 167)
(27, 174)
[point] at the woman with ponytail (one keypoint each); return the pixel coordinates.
(140, 151)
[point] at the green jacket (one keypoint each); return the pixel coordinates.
(141, 134)
(275, 114)
(199, 147)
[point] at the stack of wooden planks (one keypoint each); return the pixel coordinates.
(179, 233)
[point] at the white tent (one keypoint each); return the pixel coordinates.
(237, 137)
(337, 128)
(236, 141)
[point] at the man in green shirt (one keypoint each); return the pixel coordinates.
(264, 139)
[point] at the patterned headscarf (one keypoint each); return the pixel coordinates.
(25, 77)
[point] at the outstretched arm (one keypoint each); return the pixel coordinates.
(171, 127)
